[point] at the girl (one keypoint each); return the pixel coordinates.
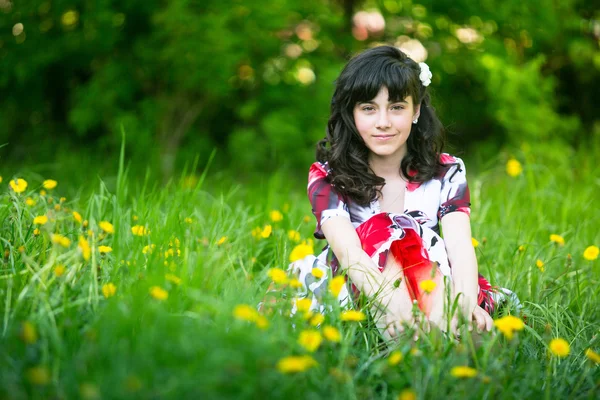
(380, 190)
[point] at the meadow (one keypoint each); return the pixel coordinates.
(132, 289)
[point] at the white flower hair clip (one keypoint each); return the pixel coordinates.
(425, 75)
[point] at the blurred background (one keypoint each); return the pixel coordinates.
(252, 80)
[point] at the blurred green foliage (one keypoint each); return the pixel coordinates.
(183, 77)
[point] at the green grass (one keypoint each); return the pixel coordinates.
(132, 345)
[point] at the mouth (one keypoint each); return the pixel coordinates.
(383, 137)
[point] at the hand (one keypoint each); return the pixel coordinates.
(440, 321)
(481, 319)
(393, 313)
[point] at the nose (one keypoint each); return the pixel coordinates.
(383, 120)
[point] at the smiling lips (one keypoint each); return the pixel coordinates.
(383, 137)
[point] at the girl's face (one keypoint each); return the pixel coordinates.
(385, 126)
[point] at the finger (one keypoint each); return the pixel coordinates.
(489, 322)
(480, 320)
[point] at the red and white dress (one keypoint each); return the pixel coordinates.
(411, 237)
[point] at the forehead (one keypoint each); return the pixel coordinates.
(384, 95)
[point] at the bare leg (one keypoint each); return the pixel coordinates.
(399, 300)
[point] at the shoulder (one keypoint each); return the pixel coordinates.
(318, 170)
(451, 165)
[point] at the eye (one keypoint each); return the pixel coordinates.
(397, 107)
(368, 108)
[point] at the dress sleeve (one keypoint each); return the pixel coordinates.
(325, 202)
(455, 194)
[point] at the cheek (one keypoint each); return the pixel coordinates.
(362, 122)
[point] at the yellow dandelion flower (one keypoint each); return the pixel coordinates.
(59, 270)
(514, 168)
(49, 184)
(148, 248)
(336, 284)
(256, 232)
(559, 347)
(395, 358)
(262, 322)
(159, 293)
(109, 290)
(18, 185)
(540, 264)
(222, 240)
(332, 334)
(521, 248)
(43, 193)
(301, 250)
(591, 253)
(462, 371)
(173, 278)
(307, 315)
(592, 356)
(36, 232)
(508, 325)
(559, 240)
(353, 315)
(0, 179)
(293, 235)
(139, 230)
(295, 283)
(106, 227)
(84, 246)
(294, 364)
(310, 340)
(407, 394)
(64, 241)
(40, 220)
(306, 219)
(28, 333)
(77, 217)
(317, 319)
(276, 215)
(57, 207)
(317, 273)
(427, 285)
(105, 249)
(188, 220)
(266, 231)
(39, 375)
(62, 199)
(278, 276)
(244, 312)
(30, 202)
(475, 242)
(303, 305)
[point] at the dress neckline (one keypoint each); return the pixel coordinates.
(376, 206)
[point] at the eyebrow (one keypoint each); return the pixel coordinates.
(392, 102)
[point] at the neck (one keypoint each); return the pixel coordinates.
(387, 167)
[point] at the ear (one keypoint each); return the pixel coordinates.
(417, 111)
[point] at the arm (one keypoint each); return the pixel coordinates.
(461, 254)
(363, 272)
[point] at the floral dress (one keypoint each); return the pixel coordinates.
(411, 237)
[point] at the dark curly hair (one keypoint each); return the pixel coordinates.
(344, 149)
